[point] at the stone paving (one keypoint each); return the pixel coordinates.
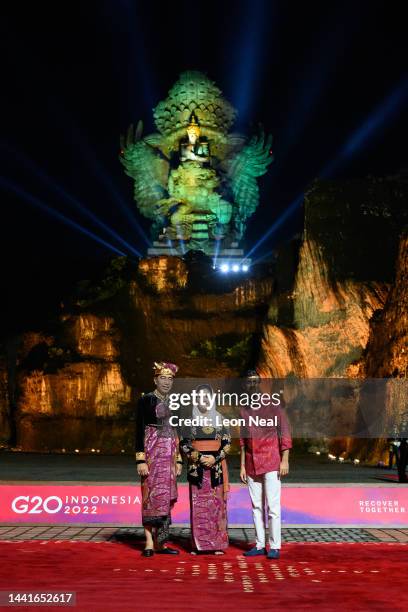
(112, 534)
(121, 469)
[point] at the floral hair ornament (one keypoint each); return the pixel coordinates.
(164, 368)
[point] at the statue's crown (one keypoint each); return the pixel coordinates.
(193, 124)
(194, 93)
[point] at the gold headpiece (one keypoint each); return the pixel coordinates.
(193, 125)
(164, 368)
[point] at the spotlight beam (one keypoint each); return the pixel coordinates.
(257, 19)
(313, 82)
(69, 198)
(374, 123)
(357, 141)
(280, 220)
(132, 31)
(73, 132)
(216, 253)
(88, 154)
(9, 186)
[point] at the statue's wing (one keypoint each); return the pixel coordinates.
(236, 140)
(242, 168)
(149, 168)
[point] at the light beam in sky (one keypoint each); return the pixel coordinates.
(375, 122)
(69, 198)
(21, 193)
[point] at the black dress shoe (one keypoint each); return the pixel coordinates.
(148, 552)
(167, 551)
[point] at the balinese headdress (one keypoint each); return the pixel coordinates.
(164, 368)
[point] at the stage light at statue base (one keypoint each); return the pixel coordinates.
(231, 267)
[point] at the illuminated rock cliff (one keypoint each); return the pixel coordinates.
(345, 312)
(331, 306)
(330, 321)
(386, 355)
(318, 324)
(76, 383)
(387, 348)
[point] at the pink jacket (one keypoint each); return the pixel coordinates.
(264, 444)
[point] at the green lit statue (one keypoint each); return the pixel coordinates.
(193, 178)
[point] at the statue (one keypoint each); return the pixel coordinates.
(194, 179)
(194, 147)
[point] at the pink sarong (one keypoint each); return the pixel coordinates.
(159, 488)
(208, 506)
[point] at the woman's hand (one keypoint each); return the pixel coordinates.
(142, 469)
(207, 460)
(242, 474)
(179, 469)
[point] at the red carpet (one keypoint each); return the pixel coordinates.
(113, 576)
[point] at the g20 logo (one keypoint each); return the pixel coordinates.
(24, 504)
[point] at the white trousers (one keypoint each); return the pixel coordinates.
(266, 487)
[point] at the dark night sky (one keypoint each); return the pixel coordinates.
(317, 75)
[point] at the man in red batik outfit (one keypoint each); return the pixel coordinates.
(264, 459)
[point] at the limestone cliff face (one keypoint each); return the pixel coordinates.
(172, 324)
(70, 384)
(164, 273)
(329, 321)
(77, 383)
(387, 349)
(78, 406)
(344, 315)
(30, 340)
(90, 335)
(82, 389)
(319, 324)
(335, 311)
(386, 354)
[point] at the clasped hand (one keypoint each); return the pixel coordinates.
(207, 460)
